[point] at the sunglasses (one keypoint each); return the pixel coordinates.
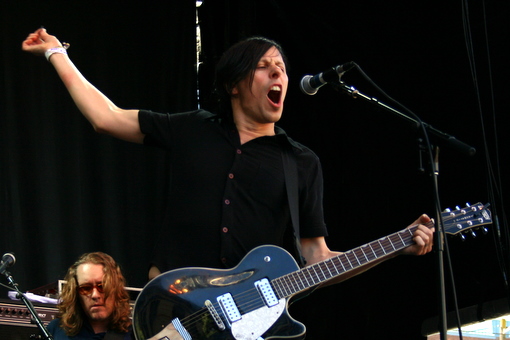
(87, 289)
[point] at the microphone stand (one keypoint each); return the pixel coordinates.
(29, 305)
(440, 235)
(450, 140)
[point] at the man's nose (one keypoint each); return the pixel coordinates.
(276, 71)
(95, 293)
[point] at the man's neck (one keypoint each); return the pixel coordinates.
(99, 326)
(251, 130)
(247, 135)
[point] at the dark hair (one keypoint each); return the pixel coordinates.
(237, 63)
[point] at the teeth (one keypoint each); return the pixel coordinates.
(276, 88)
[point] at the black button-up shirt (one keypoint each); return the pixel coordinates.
(226, 198)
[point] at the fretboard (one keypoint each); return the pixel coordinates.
(295, 282)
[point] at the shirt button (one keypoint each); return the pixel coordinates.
(225, 230)
(227, 202)
(231, 176)
(239, 151)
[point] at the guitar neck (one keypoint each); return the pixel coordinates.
(298, 281)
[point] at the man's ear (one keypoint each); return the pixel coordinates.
(234, 91)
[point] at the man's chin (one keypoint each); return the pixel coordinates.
(99, 313)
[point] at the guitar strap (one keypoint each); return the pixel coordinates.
(292, 185)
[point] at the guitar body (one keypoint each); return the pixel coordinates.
(190, 295)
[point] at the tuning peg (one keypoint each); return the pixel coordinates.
(473, 233)
(462, 237)
(485, 230)
(447, 210)
(457, 207)
(468, 205)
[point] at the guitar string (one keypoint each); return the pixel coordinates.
(352, 259)
(359, 253)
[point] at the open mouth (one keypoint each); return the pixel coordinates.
(275, 94)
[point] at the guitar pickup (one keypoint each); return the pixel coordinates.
(229, 307)
(266, 291)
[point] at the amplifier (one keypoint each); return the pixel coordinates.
(16, 313)
(16, 322)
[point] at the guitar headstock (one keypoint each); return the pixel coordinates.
(463, 219)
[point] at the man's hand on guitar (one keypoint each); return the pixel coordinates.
(423, 237)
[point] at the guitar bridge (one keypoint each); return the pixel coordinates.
(215, 316)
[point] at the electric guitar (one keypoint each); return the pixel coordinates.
(249, 302)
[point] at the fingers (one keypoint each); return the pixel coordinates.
(39, 41)
(32, 40)
(424, 239)
(423, 236)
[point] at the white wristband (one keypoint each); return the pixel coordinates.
(51, 51)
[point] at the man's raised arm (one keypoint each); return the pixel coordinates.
(102, 113)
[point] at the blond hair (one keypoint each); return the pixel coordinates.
(71, 314)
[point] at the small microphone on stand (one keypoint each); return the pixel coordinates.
(310, 84)
(8, 260)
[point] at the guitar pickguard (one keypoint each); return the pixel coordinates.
(257, 322)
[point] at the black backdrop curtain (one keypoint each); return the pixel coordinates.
(66, 190)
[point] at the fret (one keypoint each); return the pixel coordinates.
(372, 249)
(341, 262)
(277, 287)
(377, 251)
(391, 243)
(410, 234)
(331, 264)
(356, 257)
(327, 273)
(281, 287)
(346, 255)
(401, 239)
(365, 255)
(286, 286)
(315, 272)
(294, 282)
(381, 246)
(350, 261)
(310, 276)
(307, 282)
(300, 276)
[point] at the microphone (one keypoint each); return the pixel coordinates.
(8, 260)
(310, 84)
